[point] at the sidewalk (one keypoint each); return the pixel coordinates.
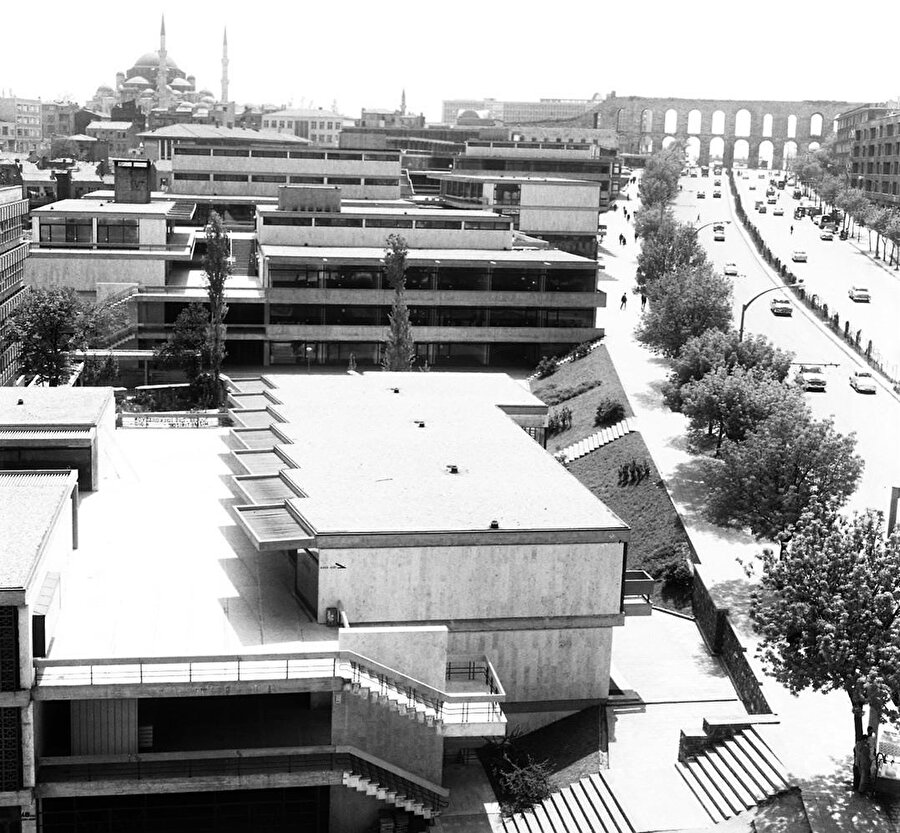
(816, 730)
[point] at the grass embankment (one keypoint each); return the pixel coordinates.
(594, 369)
(645, 506)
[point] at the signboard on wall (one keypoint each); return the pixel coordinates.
(169, 421)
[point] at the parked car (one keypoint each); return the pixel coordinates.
(799, 213)
(731, 269)
(717, 194)
(811, 377)
(778, 212)
(859, 293)
(797, 194)
(799, 257)
(826, 235)
(862, 381)
(781, 306)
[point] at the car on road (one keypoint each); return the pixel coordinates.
(701, 195)
(778, 212)
(781, 306)
(717, 194)
(731, 269)
(770, 192)
(762, 176)
(762, 209)
(859, 293)
(796, 195)
(799, 257)
(826, 235)
(719, 235)
(811, 377)
(752, 187)
(862, 381)
(771, 200)
(717, 182)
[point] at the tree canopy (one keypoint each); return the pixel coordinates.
(659, 181)
(684, 304)
(827, 609)
(767, 481)
(718, 348)
(672, 246)
(50, 323)
(188, 348)
(217, 269)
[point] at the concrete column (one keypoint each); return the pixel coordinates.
(28, 766)
(26, 667)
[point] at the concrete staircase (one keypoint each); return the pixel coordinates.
(596, 440)
(242, 250)
(734, 774)
(391, 795)
(395, 699)
(587, 806)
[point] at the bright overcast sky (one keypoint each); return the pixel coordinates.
(361, 54)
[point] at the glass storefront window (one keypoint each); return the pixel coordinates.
(462, 278)
(515, 280)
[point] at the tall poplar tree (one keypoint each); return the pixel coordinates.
(400, 350)
(217, 266)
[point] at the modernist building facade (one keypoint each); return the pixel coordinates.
(212, 161)
(872, 157)
(24, 117)
(13, 254)
(400, 631)
(321, 127)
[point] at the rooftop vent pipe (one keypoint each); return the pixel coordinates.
(495, 525)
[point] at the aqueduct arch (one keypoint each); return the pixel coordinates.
(642, 122)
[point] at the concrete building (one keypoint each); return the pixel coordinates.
(575, 160)
(25, 115)
(156, 685)
(515, 112)
(869, 146)
(473, 297)
(564, 212)
(58, 119)
(321, 127)
(120, 137)
(213, 161)
(13, 254)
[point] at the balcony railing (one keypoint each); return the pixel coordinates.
(477, 702)
(637, 592)
(241, 764)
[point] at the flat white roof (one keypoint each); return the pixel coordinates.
(52, 407)
(156, 209)
(357, 209)
(547, 180)
(366, 466)
(552, 257)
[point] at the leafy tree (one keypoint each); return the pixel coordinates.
(217, 266)
(827, 611)
(766, 482)
(188, 347)
(684, 304)
(102, 168)
(673, 246)
(52, 322)
(731, 402)
(99, 372)
(400, 350)
(829, 189)
(64, 149)
(892, 233)
(717, 348)
(647, 222)
(856, 205)
(659, 181)
(876, 220)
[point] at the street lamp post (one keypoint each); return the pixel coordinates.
(309, 352)
(713, 223)
(758, 295)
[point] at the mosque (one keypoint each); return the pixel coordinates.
(156, 82)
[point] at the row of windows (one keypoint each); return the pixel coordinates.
(289, 123)
(316, 314)
(335, 156)
(390, 222)
(284, 179)
(110, 232)
(447, 278)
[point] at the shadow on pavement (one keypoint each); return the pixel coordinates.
(832, 805)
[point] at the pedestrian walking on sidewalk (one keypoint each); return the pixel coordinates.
(635, 237)
(792, 229)
(643, 302)
(624, 301)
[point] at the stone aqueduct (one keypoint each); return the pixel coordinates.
(715, 128)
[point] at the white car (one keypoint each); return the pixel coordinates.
(859, 293)
(826, 235)
(731, 269)
(799, 257)
(781, 306)
(811, 377)
(862, 381)
(778, 212)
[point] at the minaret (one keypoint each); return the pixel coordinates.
(161, 74)
(225, 67)
(403, 102)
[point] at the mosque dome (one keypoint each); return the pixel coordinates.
(151, 59)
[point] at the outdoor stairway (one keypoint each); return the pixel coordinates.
(587, 806)
(597, 439)
(368, 786)
(242, 252)
(734, 774)
(370, 688)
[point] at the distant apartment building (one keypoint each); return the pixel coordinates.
(321, 127)
(13, 254)
(119, 136)
(211, 161)
(570, 160)
(563, 212)
(515, 112)
(7, 136)
(25, 115)
(867, 145)
(58, 119)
